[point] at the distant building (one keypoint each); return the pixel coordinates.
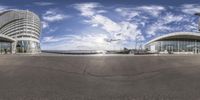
(175, 43)
(19, 32)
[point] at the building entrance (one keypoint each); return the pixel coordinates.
(169, 49)
(6, 45)
(196, 50)
(5, 48)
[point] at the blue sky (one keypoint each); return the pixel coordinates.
(107, 24)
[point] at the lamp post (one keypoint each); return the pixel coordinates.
(198, 14)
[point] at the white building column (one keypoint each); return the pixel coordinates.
(13, 44)
(178, 47)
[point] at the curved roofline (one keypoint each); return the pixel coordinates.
(9, 10)
(174, 34)
(4, 12)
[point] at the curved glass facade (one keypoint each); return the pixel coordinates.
(27, 46)
(5, 47)
(24, 28)
(175, 46)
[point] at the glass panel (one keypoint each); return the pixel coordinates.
(177, 45)
(26, 46)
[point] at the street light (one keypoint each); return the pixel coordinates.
(198, 14)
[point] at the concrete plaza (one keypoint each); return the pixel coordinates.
(43, 77)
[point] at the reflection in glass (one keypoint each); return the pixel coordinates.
(25, 46)
(5, 47)
(177, 45)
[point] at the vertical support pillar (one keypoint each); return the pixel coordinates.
(13, 47)
(178, 47)
(161, 47)
(195, 46)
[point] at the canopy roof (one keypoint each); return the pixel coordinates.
(177, 35)
(4, 38)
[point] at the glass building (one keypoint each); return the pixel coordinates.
(19, 32)
(175, 43)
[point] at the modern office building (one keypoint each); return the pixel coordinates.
(19, 32)
(176, 43)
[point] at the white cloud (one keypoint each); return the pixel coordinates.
(53, 15)
(134, 24)
(4, 8)
(125, 29)
(190, 8)
(169, 17)
(162, 23)
(53, 29)
(44, 3)
(101, 11)
(50, 39)
(95, 18)
(88, 9)
(153, 29)
(141, 15)
(52, 18)
(129, 31)
(89, 41)
(127, 12)
(153, 10)
(144, 17)
(44, 24)
(105, 23)
(192, 27)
